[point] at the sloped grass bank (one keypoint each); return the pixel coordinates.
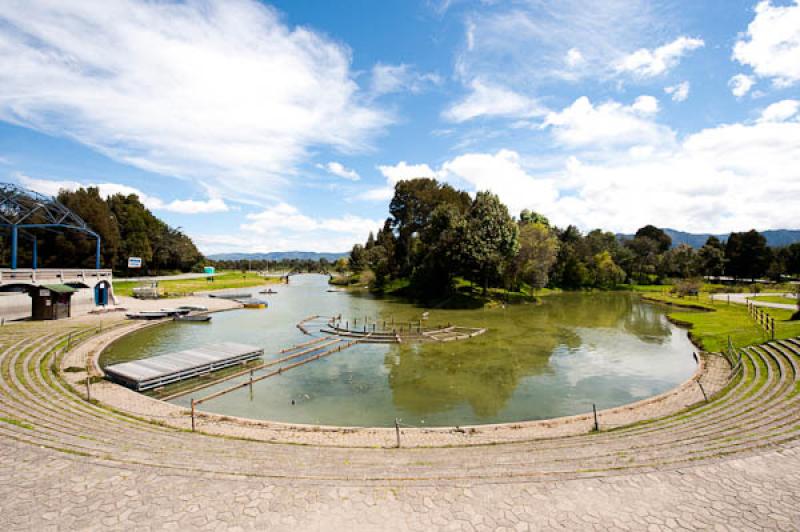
(709, 330)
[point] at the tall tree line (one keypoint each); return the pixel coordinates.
(436, 233)
(126, 228)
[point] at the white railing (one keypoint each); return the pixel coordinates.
(28, 275)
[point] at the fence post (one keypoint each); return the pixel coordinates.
(192, 414)
(596, 424)
(88, 378)
(397, 431)
(700, 384)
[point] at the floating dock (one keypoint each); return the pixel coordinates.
(160, 370)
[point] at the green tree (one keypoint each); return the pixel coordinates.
(680, 261)
(645, 258)
(358, 258)
(491, 239)
(711, 257)
(538, 251)
(529, 217)
(607, 273)
(747, 255)
(662, 239)
(411, 208)
(443, 252)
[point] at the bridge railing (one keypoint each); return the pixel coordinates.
(25, 275)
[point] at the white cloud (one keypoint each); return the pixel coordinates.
(574, 58)
(741, 84)
(608, 124)
(394, 174)
(780, 111)
(521, 45)
(492, 101)
(679, 92)
(649, 63)
(503, 174)
(723, 178)
(224, 92)
(771, 45)
(403, 170)
(387, 79)
(338, 169)
(282, 227)
(645, 104)
(194, 206)
(52, 188)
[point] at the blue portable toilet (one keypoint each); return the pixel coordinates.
(101, 293)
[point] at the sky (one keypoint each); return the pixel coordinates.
(276, 126)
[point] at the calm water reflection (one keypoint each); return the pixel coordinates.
(536, 361)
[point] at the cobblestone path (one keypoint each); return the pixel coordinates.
(732, 463)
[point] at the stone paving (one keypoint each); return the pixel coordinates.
(44, 490)
(66, 464)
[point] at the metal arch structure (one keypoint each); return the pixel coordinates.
(22, 209)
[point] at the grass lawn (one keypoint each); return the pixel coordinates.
(776, 299)
(710, 330)
(180, 287)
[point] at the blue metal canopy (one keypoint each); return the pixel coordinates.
(22, 209)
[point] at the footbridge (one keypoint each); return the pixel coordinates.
(24, 277)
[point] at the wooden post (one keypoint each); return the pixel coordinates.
(596, 424)
(251, 384)
(193, 415)
(88, 378)
(69, 341)
(700, 384)
(397, 431)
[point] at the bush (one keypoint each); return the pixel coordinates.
(687, 287)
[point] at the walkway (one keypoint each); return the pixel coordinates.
(69, 464)
(743, 299)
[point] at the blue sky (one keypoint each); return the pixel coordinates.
(284, 125)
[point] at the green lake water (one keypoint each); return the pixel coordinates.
(536, 361)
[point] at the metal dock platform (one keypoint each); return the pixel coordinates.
(160, 370)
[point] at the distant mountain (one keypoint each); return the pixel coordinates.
(775, 237)
(279, 255)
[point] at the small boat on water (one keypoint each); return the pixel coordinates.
(269, 291)
(176, 311)
(253, 303)
(197, 318)
(147, 315)
(193, 308)
(238, 295)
